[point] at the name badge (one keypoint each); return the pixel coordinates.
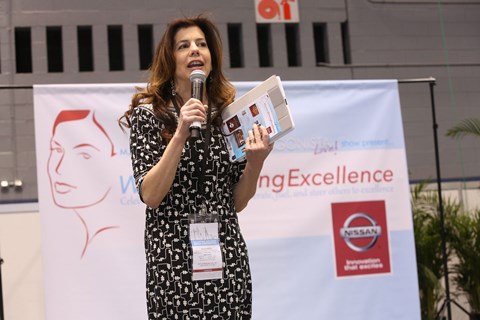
(207, 255)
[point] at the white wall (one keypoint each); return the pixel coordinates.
(22, 276)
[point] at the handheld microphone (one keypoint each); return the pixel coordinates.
(197, 79)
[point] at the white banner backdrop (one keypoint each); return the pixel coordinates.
(329, 231)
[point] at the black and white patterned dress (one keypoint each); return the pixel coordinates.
(171, 293)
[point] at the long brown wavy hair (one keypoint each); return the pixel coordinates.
(158, 92)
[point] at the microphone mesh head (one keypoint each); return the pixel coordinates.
(198, 75)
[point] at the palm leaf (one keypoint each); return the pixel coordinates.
(465, 127)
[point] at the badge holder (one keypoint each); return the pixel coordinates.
(207, 262)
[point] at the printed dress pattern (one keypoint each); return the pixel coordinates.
(171, 293)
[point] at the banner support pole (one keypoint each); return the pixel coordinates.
(431, 82)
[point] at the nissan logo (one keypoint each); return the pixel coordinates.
(372, 231)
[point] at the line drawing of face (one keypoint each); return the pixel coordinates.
(78, 144)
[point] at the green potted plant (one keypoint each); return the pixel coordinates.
(464, 239)
(426, 227)
(465, 236)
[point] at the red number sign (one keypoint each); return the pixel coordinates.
(277, 10)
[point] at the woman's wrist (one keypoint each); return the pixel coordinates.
(179, 137)
(253, 168)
